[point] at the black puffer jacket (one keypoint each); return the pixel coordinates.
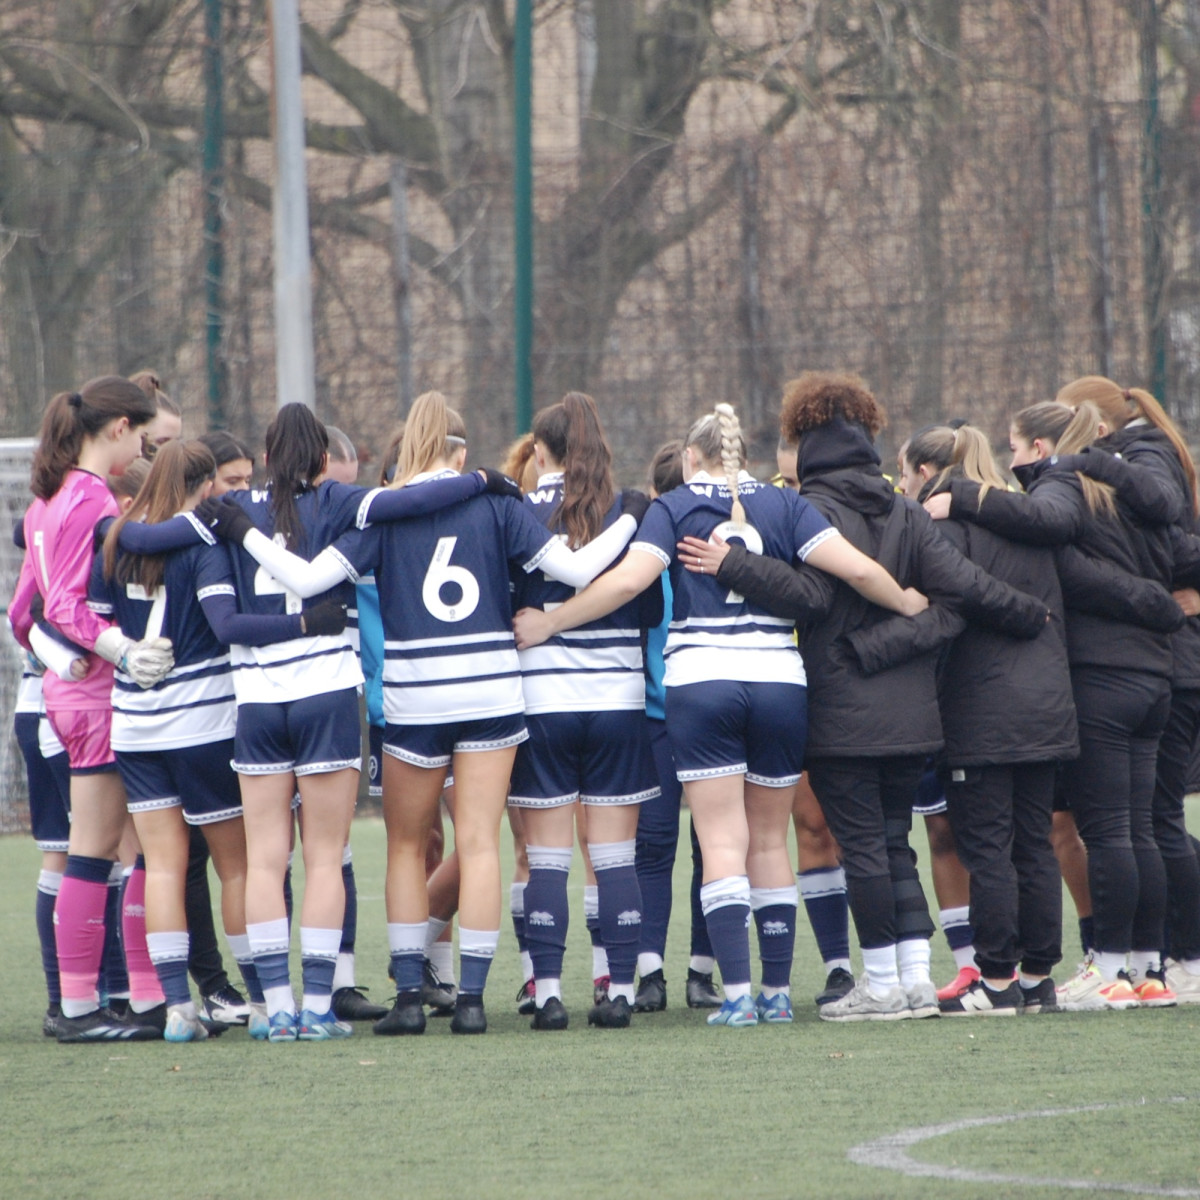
(893, 711)
(1141, 462)
(1054, 512)
(1004, 700)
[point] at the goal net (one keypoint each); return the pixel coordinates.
(16, 455)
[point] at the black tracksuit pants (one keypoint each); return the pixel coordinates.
(1001, 820)
(1170, 830)
(1110, 790)
(867, 804)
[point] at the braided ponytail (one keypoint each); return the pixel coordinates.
(731, 456)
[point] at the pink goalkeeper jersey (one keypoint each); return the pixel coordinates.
(58, 563)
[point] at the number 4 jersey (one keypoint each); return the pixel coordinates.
(449, 652)
(305, 666)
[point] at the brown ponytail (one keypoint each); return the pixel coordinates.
(572, 433)
(179, 468)
(73, 416)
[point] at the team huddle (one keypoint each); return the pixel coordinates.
(1019, 666)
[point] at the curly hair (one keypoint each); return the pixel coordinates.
(814, 398)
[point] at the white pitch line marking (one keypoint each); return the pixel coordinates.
(890, 1153)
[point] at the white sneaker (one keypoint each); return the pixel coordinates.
(861, 1004)
(1182, 982)
(923, 1001)
(183, 1028)
(1086, 991)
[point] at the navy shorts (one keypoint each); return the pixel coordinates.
(310, 736)
(433, 746)
(727, 728)
(596, 757)
(197, 777)
(374, 760)
(931, 796)
(49, 786)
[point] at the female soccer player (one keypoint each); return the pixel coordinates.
(452, 686)
(1009, 720)
(735, 683)
(585, 700)
(85, 436)
(1145, 440)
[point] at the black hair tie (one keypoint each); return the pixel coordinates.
(75, 400)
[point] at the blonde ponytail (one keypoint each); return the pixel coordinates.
(1082, 431)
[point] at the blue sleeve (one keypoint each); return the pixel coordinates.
(525, 537)
(397, 504)
(246, 629)
(360, 549)
(176, 534)
(370, 647)
(809, 527)
(657, 532)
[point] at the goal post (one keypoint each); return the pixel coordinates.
(16, 457)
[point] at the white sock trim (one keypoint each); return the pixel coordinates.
(733, 889)
(766, 897)
(320, 943)
(549, 858)
(607, 856)
(406, 939)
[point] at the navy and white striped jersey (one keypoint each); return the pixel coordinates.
(305, 666)
(443, 579)
(714, 633)
(194, 705)
(595, 668)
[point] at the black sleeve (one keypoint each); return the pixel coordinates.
(950, 579)
(1050, 516)
(19, 534)
(1143, 483)
(1186, 549)
(1103, 589)
(799, 593)
(897, 639)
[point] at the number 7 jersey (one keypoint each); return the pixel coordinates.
(443, 580)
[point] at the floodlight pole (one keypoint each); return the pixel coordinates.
(523, 213)
(295, 364)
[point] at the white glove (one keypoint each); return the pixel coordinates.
(112, 644)
(150, 661)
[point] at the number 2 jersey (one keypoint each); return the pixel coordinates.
(443, 580)
(305, 666)
(595, 668)
(714, 634)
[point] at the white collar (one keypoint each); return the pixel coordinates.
(703, 476)
(550, 479)
(425, 476)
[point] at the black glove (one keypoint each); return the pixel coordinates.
(634, 504)
(1091, 460)
(324, 619)
(499, 484)
(225, 518)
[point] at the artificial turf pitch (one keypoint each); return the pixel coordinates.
(667, 1108)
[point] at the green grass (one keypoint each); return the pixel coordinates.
(667, 1108)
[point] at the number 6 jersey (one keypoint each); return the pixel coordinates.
(449, 652)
